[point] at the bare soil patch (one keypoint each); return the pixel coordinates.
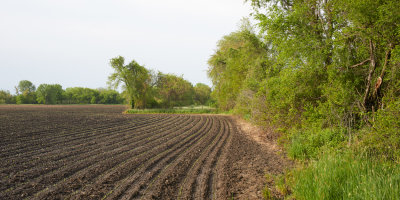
(96, 152)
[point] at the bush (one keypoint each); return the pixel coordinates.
(309, 143)
(383, 139)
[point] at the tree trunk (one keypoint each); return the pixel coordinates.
(380, 78)
(367, 100)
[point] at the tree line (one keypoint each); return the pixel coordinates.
(324, 73)
(144, 88)
(27, 93)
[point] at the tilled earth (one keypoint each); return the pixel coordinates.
(96, 152)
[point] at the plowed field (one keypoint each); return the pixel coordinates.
(95, 152)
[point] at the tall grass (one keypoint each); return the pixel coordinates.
(344, 176)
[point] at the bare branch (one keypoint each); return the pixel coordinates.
(361, 63)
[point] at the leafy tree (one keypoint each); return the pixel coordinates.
(239, 63)
(79, 95)
(109, 97)
(135, 78)
(25, 86)
(174, 90)
(6, 97)
(25, 92)
(202, 93)
(317, 68)
(49, 94)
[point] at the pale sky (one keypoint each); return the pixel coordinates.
(70, 42)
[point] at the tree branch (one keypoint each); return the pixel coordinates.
(380, 78)
(371, 72)
(361, 63)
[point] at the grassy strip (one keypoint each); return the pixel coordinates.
(171, 111)
(179, 110)
(345, 176)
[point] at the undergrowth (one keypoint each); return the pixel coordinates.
(346, 176)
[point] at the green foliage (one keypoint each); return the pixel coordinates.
(327, 75)
(136, 80)
(54, 94)
(25, 86)
(79, 95)
(173, 90)
(383, 139)
(109, 97)
(25, 92)
(309, 143)
(49, 94)
(144, 88)
(344, 176)
(202, 94)
(7, 98)
(238, 61)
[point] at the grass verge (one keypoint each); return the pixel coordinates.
(176, 110)
(346, 176)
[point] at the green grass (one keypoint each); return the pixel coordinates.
(344, 176)
(176, 110)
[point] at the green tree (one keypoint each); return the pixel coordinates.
(135, 78)
(238, 64)
(49, 93)
(6, 97)
(174, 90)
(109, 97)
(80, 95)
(202, 93)
(25, 92)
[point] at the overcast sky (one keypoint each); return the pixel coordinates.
(70, 42)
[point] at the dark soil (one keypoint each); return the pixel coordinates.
(96, 152)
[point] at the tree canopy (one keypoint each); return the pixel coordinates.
(327, 65)
(144, 88)
(135, 78)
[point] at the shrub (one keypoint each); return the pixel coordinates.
(308, 143)
(383, 139)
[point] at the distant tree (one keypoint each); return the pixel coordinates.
(25, 92)
(49, 94)
(174, 90)
(202, 93)
(109, 97)
(6, 97)
(25, 86)
(136, 80)
(80, 95)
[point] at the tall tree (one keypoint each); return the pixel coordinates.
(174, 90)
(202, 93)
(136, 80)
(237, 54)
(6, 97)
(25, 86)
(49, 93)
(26, 92)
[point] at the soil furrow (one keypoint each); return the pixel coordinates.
(37, 170)
(81, 146)
(173, 174)
(85, 174)
(188, 185)
(79, 165)
(158, 156)
(151, 172)
(64, 139)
